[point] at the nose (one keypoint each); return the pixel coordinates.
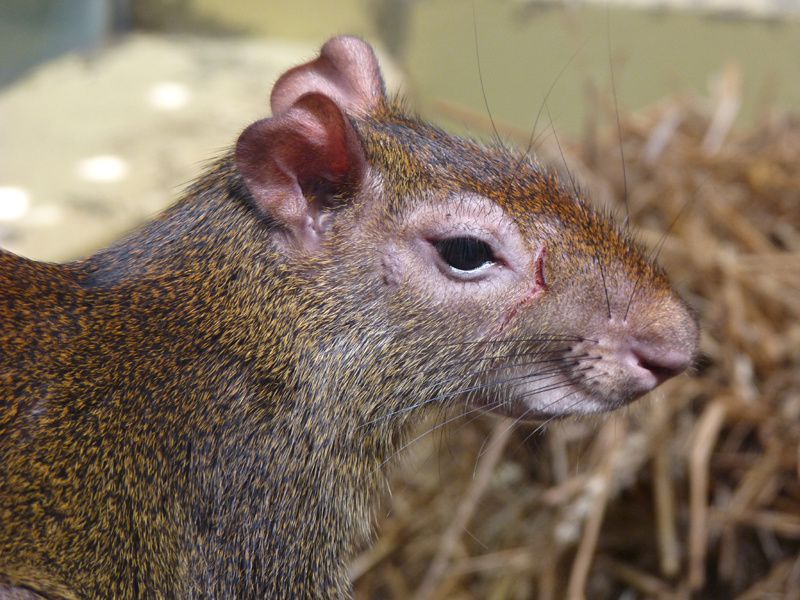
(661, 360)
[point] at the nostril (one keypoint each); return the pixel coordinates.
(663, 363)
(661, 372)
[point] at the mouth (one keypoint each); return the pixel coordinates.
(590, 378)
(537, 402)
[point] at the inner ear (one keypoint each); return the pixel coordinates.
(299, 163)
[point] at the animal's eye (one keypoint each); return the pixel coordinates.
(465, 254)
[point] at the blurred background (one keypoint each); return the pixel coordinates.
(108, 108)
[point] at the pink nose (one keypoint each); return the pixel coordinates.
(660, 360)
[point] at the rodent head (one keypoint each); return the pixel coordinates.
(474, 272)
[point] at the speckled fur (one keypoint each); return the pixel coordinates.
(183, 415)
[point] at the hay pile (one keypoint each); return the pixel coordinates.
(694, 492)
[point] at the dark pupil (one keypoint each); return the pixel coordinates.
(464, 253)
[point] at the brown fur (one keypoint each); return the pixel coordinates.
(194, 412)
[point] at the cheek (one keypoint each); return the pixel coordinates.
(524, 301)
(487, 305)
(530, 292)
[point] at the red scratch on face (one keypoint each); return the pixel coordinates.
(539, 287)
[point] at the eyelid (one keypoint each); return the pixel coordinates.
(485, 266)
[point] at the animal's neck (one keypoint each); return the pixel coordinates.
(275, 482)
(291, 502)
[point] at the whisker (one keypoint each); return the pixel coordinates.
(541, 137)
(502, 357)
(657, 251)
(557, 361)
(619, 126)
(531, 139)
(547, 338)
(541, 426)
(554, 387)
(513, 423)
(578, 358)
(486, 407)
(532, 136)
(480, 75)
(483, 386)
(439, 426)
(537, 391)
(561, 151)
(549, 420)
(554, 417)
(605, 287)
(665, 235)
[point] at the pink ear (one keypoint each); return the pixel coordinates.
(346, 71)
(294, 163)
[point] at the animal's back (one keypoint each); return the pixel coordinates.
(37, 302)
(37, 315)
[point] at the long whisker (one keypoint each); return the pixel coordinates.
(605, 287)
(484, 408)
(660, 246)
(657, 250)
(439, 426)
(554, 417)
(554, 386)
(480, 74)
(479, 359)
(548, 405)
(619, 126)
(578, 358)
(562, 360)
(561, 151)
(481, 409)
(531, 139)
(547, 338)
(479, 387)
(542, 136)
(532, 136)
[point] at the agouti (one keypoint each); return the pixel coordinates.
(205, 409)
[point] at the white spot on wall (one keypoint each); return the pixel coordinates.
(105, 168)
(168, 95)
(14, 203)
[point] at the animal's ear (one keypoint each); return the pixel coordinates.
(307, 155)
(346, 71)
(296, 163)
